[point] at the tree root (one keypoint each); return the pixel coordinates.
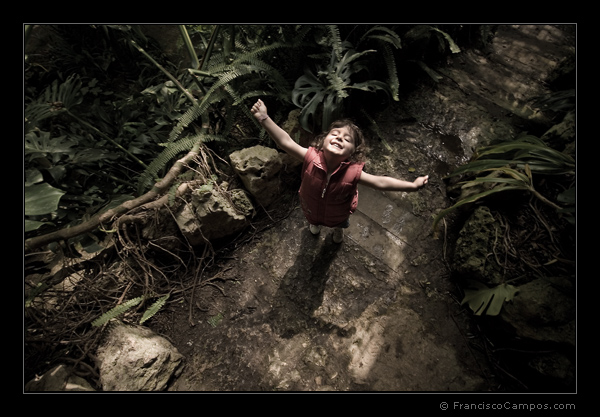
(153, 198)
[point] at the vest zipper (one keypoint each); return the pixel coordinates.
(326, 185)
(328, 179)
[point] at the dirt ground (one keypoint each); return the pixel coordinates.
(289, 311)
(292, 311)
(296, 312)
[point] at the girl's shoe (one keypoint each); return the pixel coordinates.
(338, 235)
(315, 230)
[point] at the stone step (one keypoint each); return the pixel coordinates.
(380, 226)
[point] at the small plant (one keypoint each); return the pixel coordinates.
(116, 311)
(215, 320)
(510, 166)
(122, 308)
(322, 93)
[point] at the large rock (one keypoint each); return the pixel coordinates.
(292, 126)
(543, 311)
(473, 245)
(133, 358)
(214, 213)
(258, 167)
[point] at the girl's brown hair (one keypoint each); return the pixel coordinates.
(360, 147)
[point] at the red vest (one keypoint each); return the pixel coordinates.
(328, 203)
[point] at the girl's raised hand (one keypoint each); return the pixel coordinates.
(259, 110)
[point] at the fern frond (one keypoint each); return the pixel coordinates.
(301, 33)
(116, 311)
(388, 36)
(390, 63)
(387, 39)
(247, 63)
(217, 92)
(213, 95)
(191, 115)
(335, 40)
(158, 304)
(253, 55)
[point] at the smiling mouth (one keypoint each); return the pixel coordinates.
(337, 145)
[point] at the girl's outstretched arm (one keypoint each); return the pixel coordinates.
(280, 136)
(392, 184)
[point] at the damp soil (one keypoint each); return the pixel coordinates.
(290, 311)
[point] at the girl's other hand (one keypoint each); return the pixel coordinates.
(421, 181)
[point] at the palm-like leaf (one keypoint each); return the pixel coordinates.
(326, 91)
(482, 299)
(511, 165)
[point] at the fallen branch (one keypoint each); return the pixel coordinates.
(110, 215)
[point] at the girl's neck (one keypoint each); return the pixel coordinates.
(332, 162)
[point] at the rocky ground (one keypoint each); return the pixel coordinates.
(297, 312)
(290, 311)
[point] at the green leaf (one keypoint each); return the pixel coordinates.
(41, 199)
(40, 144)
(215, 320)
(31, 225)
(471, 199)
(454, 48)
(158, 304)
(116, 311)
(567, 196)
(482, 299)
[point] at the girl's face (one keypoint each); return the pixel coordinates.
(339, 142)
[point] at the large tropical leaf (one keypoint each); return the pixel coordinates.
(482, 299)
(309, 93)
(55, 99)
(324, 93)
(41, 199)
(39, 144)
(532, 151)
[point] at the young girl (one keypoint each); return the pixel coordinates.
(331, 172)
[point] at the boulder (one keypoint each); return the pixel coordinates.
(554, 366)
(59, 378)
(473, 245)
(133, 358)
(293, 127)
(214, 213)
(543, 311)
(258, 167)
